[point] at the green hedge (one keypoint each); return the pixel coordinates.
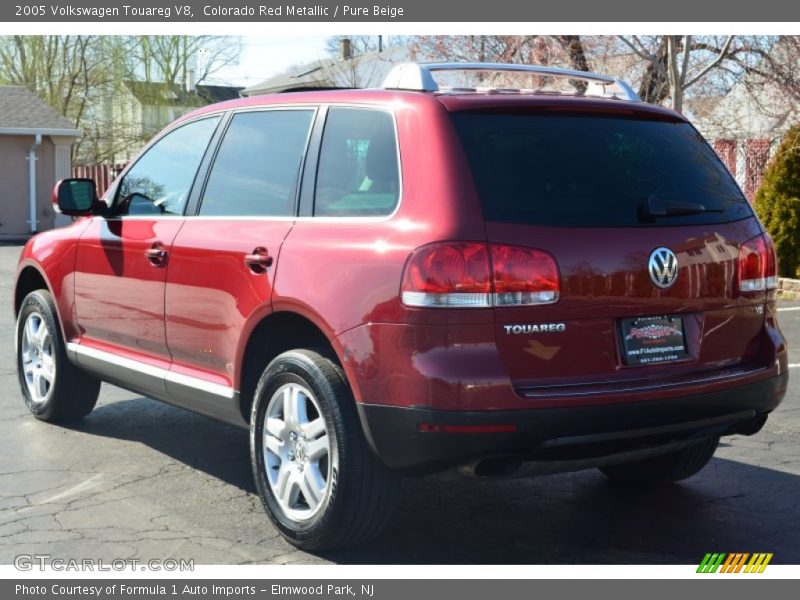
(777, 203)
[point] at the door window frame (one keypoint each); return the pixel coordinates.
(206, 166)
(307, 199)
(307, 174)
(113, 192)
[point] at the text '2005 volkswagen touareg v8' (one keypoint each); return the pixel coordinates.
(414, 278)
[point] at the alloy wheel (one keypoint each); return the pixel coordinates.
(37, 352)
(296, 450)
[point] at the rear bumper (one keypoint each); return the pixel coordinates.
(564, 433)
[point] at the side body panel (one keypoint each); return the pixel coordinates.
(212, 294)
(343, 272)
(52, 254)
(119, 301)
(119, 292)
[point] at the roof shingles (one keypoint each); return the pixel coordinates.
(158, 93)
(22, 109)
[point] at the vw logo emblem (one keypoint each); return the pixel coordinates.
(663, 267)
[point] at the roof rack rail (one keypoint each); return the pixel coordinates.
(317, 88)
(419, 77)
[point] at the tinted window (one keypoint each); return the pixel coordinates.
(358, 171)
(160, 181)
(256, 169)
(572, 170)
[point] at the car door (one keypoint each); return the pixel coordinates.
(224, 259)
(122, 259)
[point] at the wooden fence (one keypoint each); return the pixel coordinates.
(102, 175)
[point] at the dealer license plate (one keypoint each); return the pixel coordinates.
(649, 340)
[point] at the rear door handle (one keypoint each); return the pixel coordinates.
(258, 261)
(156, 255)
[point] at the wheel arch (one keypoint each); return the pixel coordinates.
(278, 332)
(29, 278)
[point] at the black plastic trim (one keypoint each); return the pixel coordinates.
(393, 432)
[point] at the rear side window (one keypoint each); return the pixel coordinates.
(577, 170)
(358, 174)
(256, 169)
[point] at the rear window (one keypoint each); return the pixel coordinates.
(576, 170)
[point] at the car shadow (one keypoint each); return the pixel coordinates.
(583, 518)
(573, 518)
(197, 441)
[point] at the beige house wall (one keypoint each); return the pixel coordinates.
(14, 202)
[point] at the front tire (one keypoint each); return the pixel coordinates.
(667, 468)
(54, 389)
(321, 485)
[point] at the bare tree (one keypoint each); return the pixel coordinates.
(171, 59)
(362, 44)
(358, 61)
(65, 71)
(674, 64)
(354, 72)
(775, 66)
(85, 77)
(666, 68)
(561, 50)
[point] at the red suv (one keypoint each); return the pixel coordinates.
(414, 278)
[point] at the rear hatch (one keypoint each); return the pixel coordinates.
(603, 194)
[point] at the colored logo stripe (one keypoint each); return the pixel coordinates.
(758, 563)
(710, 562)
(734, 562)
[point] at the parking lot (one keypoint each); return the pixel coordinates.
(141, 479)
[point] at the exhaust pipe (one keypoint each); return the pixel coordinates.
(751, 427)
(492, 466)
(511, 465)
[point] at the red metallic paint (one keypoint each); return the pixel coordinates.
(604, 279)
(119, 292)
(344, 276)
(53, 254)
(213, 297)
(461, 369)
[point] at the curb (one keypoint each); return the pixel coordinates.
(788, 289)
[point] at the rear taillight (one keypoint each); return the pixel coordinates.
(523, 276)
(450, 275)
(758, 270)
(478, 275)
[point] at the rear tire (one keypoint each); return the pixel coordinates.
(54, 389)
(664, 469)
(321, 485)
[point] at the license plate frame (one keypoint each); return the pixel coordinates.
(653, 340)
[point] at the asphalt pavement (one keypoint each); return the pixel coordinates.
(141, 479)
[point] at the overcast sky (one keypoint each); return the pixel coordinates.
(264, 56)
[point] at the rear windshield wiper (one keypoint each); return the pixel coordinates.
(653, 209)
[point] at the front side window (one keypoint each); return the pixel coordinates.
(358, 173)
(258, 163)
(160, 181)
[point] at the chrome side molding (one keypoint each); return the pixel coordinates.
(211, 399)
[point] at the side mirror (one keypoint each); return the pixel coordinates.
(75, 197)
